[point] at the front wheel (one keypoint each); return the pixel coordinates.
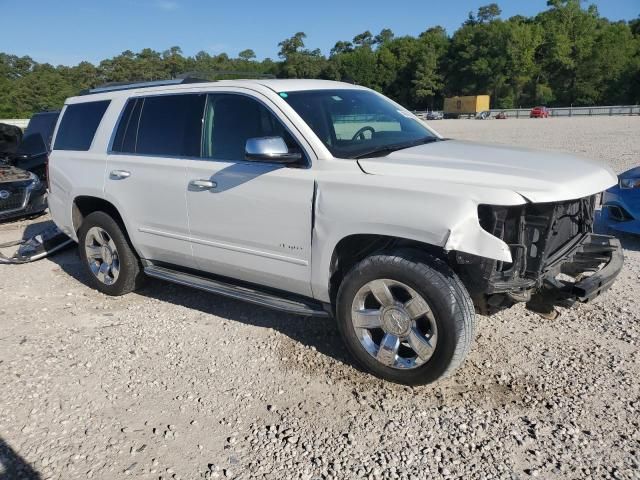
(406, 317)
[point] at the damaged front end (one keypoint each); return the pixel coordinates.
(556, 257)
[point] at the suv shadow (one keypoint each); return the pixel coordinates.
(13, 466)
(320, 333)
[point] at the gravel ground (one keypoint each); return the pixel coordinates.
(172, 383)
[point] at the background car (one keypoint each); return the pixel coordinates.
(539, 112)
(23, 161)
(502, 116)
(435, 115)
(621, 203)
(32, 151)
(22, 194)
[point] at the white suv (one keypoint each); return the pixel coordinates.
(324, 198)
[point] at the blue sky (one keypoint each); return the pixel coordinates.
(69, 31)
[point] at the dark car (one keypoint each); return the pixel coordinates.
(539, 112)
(22, 194)
(23, 160)
(32, 151)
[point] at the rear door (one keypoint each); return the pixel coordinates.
(146, 172)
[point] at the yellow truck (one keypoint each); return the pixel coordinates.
(454, 107)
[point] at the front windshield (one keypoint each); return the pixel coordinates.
(354, 123)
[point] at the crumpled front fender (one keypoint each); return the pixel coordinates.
(469, 237)
(434, 213)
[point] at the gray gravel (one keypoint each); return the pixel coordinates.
(173, 383)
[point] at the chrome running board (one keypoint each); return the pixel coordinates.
(295, 306)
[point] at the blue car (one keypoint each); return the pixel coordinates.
(621, 204)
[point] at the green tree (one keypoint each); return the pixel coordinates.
(247, 54)
(428, 81)
(565, 55)
(364, 39)
(488, 13)
(299, 62)
(385, 36)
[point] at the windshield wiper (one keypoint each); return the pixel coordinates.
(387, 149)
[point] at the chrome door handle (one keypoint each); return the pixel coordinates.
(119, 174)
(203, 184)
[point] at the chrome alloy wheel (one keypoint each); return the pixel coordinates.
(394, 324)
(102, 255)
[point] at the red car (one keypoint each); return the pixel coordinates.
(539, 112)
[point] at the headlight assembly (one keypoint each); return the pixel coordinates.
(35, 181)
(628, 183)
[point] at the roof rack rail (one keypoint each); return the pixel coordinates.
(191, 77)
(212, 75)
(115, 86)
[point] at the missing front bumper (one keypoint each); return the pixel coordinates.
(594, 266)
(596, 247)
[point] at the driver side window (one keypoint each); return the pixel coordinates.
(231, 119)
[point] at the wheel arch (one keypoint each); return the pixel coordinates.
(351, 249)
(84, 205)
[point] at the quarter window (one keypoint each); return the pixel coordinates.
(79, 124)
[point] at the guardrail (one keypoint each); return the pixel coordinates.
(609, 110)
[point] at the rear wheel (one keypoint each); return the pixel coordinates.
(111, 264)
(405, 317)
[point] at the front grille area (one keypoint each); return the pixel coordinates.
(14, 200)
(552, 228)
(538, 234)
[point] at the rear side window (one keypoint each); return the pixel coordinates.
(79, 124)
(169, 125)
(125, 139)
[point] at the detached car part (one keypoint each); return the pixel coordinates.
(45, 243)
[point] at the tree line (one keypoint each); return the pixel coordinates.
(565, 55)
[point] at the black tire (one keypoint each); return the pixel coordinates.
(131, 275)
(446, 295)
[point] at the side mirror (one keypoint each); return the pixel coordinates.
(269, 149)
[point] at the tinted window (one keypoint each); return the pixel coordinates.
(125, 139)
(171, 125)
(79, 124)
(232, 119)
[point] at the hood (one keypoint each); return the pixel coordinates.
(536, 175)
(9, 173)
